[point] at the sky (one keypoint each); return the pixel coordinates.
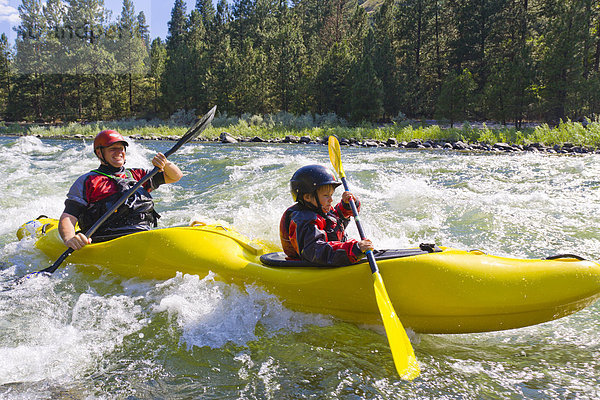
(158, 13)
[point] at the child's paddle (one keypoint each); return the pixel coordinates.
(402, 351)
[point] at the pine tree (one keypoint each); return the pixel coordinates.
(508, 91)
(92, 61)
(143, 29)
(336, 25)
(356, 36)
(332, 90)
(385, 54)
(527, 59)
(175, 85)
(177, 24)
(221, 77)
(475, 22)
(30, 61)
(287, 55)
(243, 13)
(222, 15)
(562, 34)
(591, 89)
(366, 94)
(264, 23)
(249, 69)
(198, 59)
(312, 14)
(55, 101)
(457, 97)
(158, 55)
(5, 76)
(207, 11)
(418, 37)
(252, 27)
(131, 51)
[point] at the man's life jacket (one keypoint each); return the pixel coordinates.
(136, 214)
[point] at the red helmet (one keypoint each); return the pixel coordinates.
(108, 137)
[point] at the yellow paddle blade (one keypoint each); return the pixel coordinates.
(402, 351)
(335, 155)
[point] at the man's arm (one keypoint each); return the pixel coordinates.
(66, 229)
(171, 172)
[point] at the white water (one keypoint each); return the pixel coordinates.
(81, 336)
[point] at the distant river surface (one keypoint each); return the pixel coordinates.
(77, 336)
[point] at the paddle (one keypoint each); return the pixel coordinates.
(194, 131)
(402, 351)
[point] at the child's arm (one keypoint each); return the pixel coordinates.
(315, 248)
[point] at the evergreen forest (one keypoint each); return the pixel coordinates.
(502, 60)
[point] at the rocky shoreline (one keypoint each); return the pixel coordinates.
(565, 148)
(417, 144)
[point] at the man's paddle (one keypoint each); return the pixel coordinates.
(194, 131)
(402, 351)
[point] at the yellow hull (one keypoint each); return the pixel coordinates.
(452, 291)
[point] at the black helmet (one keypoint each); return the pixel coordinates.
(308, 178)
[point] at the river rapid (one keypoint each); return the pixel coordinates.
(80, 336)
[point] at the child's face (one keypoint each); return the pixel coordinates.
(325, 195)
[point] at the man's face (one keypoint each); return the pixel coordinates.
(114, 154)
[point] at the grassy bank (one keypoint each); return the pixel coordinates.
(274, 127)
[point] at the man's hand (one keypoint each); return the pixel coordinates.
(171, 172)
(159, 161)
(66, 229)
(78, 241)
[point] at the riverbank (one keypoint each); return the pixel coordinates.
(567, 137)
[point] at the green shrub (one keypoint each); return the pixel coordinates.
(282, 124)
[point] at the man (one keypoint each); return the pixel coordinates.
(96, 192)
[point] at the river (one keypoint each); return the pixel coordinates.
(76, 336)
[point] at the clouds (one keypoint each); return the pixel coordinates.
(8, 13)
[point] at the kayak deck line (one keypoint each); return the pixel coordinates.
(280, 259)
(443, 291)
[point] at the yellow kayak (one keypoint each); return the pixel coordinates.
(434, 290)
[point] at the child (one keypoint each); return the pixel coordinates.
(312, 229)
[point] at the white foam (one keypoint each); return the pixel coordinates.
(57, 337)
(212, 313)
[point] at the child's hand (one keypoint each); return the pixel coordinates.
(365, 245)
(346, 196)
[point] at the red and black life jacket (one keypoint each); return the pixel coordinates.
(136, 214)
(316, 237)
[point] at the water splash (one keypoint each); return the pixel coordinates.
(212, 313)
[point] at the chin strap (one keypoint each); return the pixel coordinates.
(101, 157)
(319, 206)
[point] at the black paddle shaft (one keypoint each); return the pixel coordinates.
(370, 256)
(195, 130)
